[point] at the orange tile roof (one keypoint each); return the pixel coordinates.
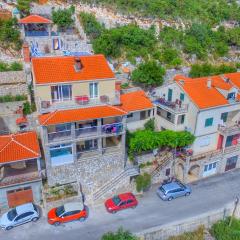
(61, 69)
(81, 114)
(200, 94)
(135, 101)
(234, 78)
(19, 146)
(34, 19)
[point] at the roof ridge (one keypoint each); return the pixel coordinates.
(7, 144)
(49, 117)
(13, 140)
(118, 109)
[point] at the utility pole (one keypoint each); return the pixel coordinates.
(234, 210)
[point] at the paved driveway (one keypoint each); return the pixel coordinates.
(207, 195)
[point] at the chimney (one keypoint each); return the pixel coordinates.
(209, 83)
(78, 64)
(181, 82)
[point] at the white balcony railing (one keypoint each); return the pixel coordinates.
(77, 102)
(85, 132)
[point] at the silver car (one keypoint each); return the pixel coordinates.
(172, 190)
(19, 215)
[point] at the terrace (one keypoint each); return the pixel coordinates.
(20, 172)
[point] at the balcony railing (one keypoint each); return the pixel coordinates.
(85, 132)
(175, 107)
(229, 128)
(77, 102)
(36, 33)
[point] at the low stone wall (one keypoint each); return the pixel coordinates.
(143, 158)
(163, 232)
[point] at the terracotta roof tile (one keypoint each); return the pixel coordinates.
(34, 19)
(73, 115)
(61, 69)
(234, 78)
(135, 101)
(19, 146)
(203, 96)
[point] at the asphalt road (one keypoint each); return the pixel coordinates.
(207, 195)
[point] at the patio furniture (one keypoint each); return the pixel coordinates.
(82, 100)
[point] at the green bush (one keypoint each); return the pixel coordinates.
(10, 98)
(27, 108)
(148, 74)
(222, 231)
(63, 18)
(124, 85)
(206, 69)
(143, 182)
(91, 26)
(15, 66)
(150, 125)
(119, 235)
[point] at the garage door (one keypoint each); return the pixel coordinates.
(19, 196)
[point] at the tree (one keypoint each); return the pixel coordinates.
(119, 235)
(148, 74)
(143, 182)
(63, 18)
(150, 125)
(24, 6)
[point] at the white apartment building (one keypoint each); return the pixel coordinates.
(209, 108)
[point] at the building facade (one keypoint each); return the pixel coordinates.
(209, 108)
(20, 169)
(83, 122)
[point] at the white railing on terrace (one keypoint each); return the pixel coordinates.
(78, 102)
(107, 129)
(176, 107)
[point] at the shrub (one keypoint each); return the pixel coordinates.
(222, 231)
(119, 235)
(10, 98)
(15, 66)
(27, 108)
(150, 125)
(143, 182)
(124, 85)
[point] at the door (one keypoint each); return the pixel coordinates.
(231, 163)
(130, 203)
(179, 192)
(170, 94)
(220, 142)
(93, 88)
(70, 216)
(19, 196)
(25, 217)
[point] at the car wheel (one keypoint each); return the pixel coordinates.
(35, 219)
(82, 219)
(9, 228)
(114, 212)
(170, 198)
(187, 194)
(56, 224)
(134, 206)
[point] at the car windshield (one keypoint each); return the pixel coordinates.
(116, 200)
(162, 189)
(12, 214)
(60, 210)
(181, 185)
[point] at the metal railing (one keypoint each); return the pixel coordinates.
(175, 107)
(228, 129)
(103, 130)
(77, 102)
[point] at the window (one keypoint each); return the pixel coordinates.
(169, 116)
(143, 115)
(61, 93)
(167, 172)
(182, 96)
(149, 113)
(122, 203)
(181, 119)
(231, 163)
(93, 88)
(63, 127)
(224, 116)
(130, 115)
(159, 111)
(210, 167)
(208, 122)
(24, 215)
(170, 91)
(129, 201)
(231, 96)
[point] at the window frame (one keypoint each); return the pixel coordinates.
(207, 123)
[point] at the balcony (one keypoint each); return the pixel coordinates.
(9, 175)
(174, 107)
(77, 102)
(229, 128)
(112, 129)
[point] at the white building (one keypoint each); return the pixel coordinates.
(209, 108)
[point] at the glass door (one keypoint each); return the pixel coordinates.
(61, 93)
(93, 89)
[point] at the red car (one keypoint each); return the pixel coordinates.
(67, 213)
(120, 202)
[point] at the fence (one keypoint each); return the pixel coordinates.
(163, 232)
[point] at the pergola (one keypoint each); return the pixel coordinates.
(35, 26)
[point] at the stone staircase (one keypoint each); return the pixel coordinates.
(162, 163)
(129, 171)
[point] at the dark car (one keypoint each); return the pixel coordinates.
(120, 202)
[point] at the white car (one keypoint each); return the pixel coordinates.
(19, 215)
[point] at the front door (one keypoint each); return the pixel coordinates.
(231, 163)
